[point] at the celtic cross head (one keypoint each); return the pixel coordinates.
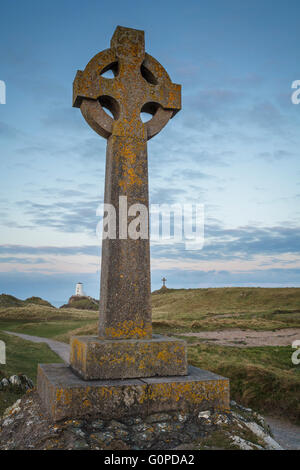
(140, 84)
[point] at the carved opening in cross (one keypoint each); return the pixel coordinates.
(140, 84)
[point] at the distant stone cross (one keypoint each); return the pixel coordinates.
(140, 84)
(164, 281)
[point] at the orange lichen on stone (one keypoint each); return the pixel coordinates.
(127, 329)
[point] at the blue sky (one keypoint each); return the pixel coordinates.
(234, 146)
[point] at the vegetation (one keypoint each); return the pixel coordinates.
(11, 301)
(262, 378)
(82, 303)
(22, 358)
(38, 313)
(232, 307)
(37, 301)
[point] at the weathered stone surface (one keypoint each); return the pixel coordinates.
(93, 358)
(140, 84)
(125, 310)
(65, 395)
(25, 425)
(197, 391)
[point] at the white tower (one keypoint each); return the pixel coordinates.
(79, 289)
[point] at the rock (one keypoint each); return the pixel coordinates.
(118, 429)
(116, 425)
(271, 444)
(243, 444)
(26, 426)
(15, 408)
(79, 432)
(98, 424)
(182, 417)
(249, 410)
(142, 427)
(162, 427)
(204, 414)
(80, 444)
(221, 419)
(4, 384)
(132, 420)
(158, 417)
(15, 380)
(21, 382)
(26, 382)
(261, 420)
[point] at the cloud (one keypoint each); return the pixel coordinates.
(191, 174)
(166, 195)
(12, 259)
(64, 216)
(276, 155)
(92, 250)
(242, 243)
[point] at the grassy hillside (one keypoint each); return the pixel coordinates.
(82, 303)
(44, 321)
(235, 307)
(11, 301)
(41, 313)
(37, 301)
(173, 311)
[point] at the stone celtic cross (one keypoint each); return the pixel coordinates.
(125, 371)
(140, 84)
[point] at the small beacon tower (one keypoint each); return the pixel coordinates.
(79, 289)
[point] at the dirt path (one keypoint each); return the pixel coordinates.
(61, 349)
(285, 433)
(248, 338)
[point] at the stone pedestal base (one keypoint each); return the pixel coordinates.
(65, 395)
(96, 359)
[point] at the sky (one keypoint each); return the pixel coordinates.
(233, 147)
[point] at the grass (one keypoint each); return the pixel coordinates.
(38, 313)
(85, 330)
(47, 329)
(82, 303)
(22, 358)
(262, 378)
(11, 301)
(219, 308)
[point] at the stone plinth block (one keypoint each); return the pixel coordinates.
(65, 395)
(93, 358)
